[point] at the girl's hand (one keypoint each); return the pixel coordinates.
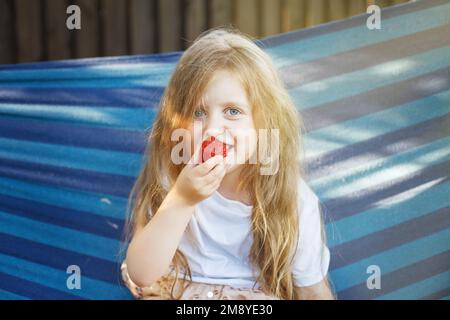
(197, 182)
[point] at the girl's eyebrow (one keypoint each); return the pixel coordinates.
(226, 103)
(238, 103)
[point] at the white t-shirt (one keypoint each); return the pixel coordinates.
(218, 238)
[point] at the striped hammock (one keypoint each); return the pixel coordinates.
(377, 108)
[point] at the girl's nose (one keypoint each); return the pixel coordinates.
(215, 124)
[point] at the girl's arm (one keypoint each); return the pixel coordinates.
(152, 248)
(319, 291)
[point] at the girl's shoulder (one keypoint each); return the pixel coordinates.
(305, 193)
(309, 207)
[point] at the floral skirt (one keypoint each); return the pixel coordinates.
(161, 290)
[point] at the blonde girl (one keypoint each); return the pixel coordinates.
(222, 228)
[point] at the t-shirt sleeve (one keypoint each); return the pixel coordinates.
(312, 257)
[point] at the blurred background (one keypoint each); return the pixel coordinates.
(35, 30)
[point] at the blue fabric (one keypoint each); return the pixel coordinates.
(376, 104)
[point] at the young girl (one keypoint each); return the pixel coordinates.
(222, 228)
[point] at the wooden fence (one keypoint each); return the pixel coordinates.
(34, 30)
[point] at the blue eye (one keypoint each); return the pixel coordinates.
(198, 113)
(234, 111)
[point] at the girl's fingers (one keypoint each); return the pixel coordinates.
(215, 174)
(209, 164)
(195, 158)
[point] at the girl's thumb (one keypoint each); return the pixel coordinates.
(195, 158)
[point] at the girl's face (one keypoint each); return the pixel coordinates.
(225, 113)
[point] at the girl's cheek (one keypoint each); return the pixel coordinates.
(245, 146)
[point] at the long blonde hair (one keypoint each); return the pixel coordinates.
(275, 221)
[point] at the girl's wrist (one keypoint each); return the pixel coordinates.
(180, 201)
(175, 209)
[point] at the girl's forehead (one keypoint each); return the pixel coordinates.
(223, 88)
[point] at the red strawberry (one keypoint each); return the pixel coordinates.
(212, 147)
